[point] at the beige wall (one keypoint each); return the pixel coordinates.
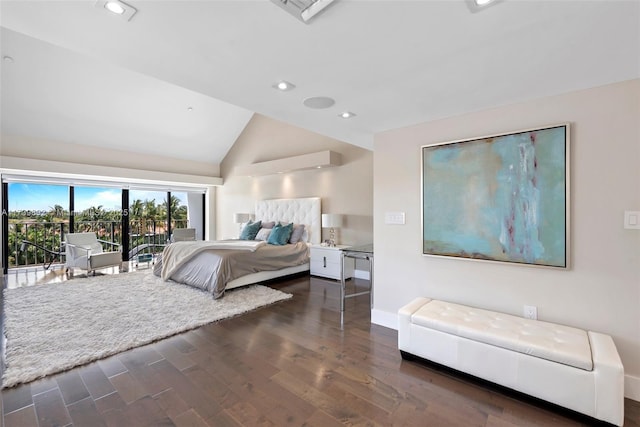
(346, 189)
(600, 292)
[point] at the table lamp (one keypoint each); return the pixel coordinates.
(332, 221)
(241, 218)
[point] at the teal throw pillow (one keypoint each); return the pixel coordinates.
(280, 234)
(250, 230)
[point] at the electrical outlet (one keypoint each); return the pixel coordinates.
(530, 312)
(632, 219)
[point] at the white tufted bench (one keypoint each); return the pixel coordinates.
(570, 367)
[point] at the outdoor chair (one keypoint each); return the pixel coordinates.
(84, 251)
(183, 235)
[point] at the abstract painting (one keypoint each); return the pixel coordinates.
(499, 198)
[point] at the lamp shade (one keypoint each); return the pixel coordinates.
(240, 218)
(331, 221)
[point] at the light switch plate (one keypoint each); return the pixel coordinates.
(394, 218)
(632, 219)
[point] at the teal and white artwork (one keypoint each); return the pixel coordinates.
(499, 198)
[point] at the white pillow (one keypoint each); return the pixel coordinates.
(263, 234)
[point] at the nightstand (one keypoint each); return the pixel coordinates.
(326, 261)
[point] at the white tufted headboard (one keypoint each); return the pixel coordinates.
(305, 211)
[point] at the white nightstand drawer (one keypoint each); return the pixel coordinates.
(327, 262)
(330, 254)
(321, 268)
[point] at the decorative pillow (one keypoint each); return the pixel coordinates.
(250, 230)
(263, 234)
(269, 224)
(296, 235)
(280, 234)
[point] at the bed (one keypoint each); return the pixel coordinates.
(215, 266)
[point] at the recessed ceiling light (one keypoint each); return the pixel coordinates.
(7, 58)
(303, 9)
(346, 114)
(189, 108)
(319, 102)
(283, 85)
(476, 5)
(117, 7)
(114, 7)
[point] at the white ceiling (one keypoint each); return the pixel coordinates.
(84, 76)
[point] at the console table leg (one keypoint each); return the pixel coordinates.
(342, 284)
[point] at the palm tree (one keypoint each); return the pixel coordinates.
(94, 213)
(135, 211)
(150, 211)
(178, 211)
(174, 204)
(57, 212)
(135, 217)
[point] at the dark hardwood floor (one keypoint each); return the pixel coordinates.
(294, 363)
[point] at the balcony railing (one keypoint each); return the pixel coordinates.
(46, 243)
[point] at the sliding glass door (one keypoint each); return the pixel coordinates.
(39, 215)
(148, 221)
(98, 210)
(38, 220)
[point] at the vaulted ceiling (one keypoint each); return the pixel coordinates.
(79, 74)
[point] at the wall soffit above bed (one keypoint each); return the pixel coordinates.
(319, 160)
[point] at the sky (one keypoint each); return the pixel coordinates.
(43, 197)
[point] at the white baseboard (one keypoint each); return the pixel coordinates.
(384, 318)
(390, 320)
(632, 387)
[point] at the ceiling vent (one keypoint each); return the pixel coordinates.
(304, 10)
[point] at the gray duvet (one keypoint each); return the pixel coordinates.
(212, 269)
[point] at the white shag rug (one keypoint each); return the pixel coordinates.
(54, 327)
